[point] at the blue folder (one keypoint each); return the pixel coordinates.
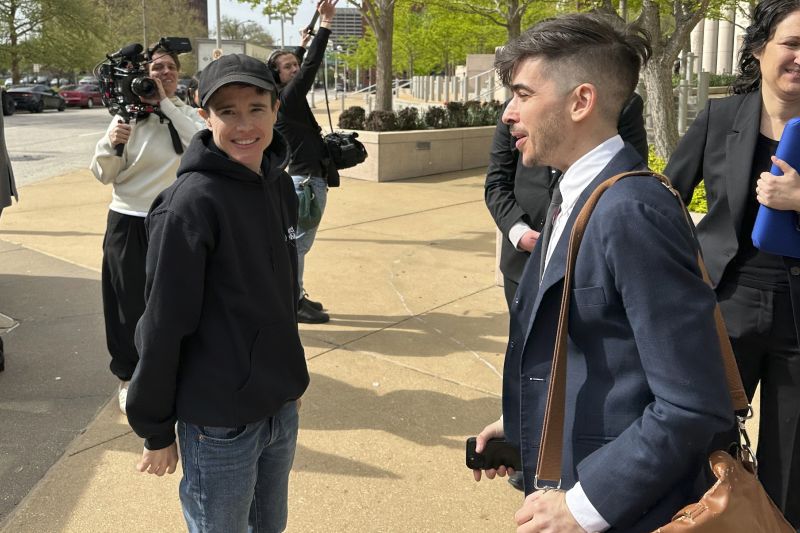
(778, 232)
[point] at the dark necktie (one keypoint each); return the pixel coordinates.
(547, 231)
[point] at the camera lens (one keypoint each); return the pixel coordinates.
(144, 87)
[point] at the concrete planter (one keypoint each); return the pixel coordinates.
(396, 155)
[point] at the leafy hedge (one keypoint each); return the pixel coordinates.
(698, 203)
(451, 115)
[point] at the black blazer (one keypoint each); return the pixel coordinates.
(515, 193)
(718, 148)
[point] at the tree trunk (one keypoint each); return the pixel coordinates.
(383, 75)
(514, 19)
(661, 103)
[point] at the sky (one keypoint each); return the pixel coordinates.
(243, 12)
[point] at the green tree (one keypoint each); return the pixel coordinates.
(244, 30)
(32, 30)
(669, 24)
(126, 21)
(379, 15)
(507, 14)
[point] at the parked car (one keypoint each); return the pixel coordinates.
(81, 95)
(36, 98)
(7, 103)
(91, 80)
(59, 82)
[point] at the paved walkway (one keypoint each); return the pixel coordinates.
(407, 369)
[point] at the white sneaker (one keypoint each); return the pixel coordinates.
(122, 395)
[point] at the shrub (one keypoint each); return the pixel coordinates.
(721, 80)
(352, 118)
(408, 119)
(698, 203)
(381, 121)
(456, 114)
(436, 117)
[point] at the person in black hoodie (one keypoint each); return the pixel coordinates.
(310, 165)
(219, 348)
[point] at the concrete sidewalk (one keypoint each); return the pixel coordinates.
(409, 366)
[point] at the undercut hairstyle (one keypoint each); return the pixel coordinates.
(766, 17)
(161, 51)
(583, 48)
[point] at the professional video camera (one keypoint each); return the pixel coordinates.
(123, 77)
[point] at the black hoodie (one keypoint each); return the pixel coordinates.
(218, 341)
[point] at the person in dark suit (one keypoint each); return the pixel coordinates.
(518, 196)
(730, 146)
(642, 404)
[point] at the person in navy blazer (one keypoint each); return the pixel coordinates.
(517, 195)
(730, 147)
(646, 390)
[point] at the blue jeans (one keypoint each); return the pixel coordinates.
(236, 480)
(306, 238)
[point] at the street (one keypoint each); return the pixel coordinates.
(51, 143)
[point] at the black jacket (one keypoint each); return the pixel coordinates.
(296, 122)
(515, 193)
(218, 341)
(718, 148)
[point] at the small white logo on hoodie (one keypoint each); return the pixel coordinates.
(290, 234)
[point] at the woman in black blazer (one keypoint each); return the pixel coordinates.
(730, 146)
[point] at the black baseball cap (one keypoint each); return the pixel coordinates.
(234, 68)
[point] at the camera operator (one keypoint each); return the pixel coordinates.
(310, 165)
(147, 166)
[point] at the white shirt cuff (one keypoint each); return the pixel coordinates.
(516, 232)
(583, 511)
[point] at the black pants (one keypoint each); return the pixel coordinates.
(509, 289)
(761, 326)
(124, 253)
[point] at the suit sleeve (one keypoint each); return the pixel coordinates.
(631, 125)
(680, 358)
(685, 167)
(499, 186)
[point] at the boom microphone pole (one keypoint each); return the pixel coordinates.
(310, 28)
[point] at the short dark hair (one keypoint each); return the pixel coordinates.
(273, 95)
(766, 17)
(583, 48)
(161, 51)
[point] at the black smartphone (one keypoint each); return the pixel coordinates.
(498, 452)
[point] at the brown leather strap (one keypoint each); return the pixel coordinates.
(551, 447)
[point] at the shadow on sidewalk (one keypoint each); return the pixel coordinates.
(408, 336)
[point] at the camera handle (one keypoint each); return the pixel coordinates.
(121, 146)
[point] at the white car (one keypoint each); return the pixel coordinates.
(88, 79)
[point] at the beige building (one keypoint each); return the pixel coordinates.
(716, 43)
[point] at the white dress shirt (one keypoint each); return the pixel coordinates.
(575, 180)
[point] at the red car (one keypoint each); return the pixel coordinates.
(83, 95)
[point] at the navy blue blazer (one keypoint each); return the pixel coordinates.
(646, 389)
